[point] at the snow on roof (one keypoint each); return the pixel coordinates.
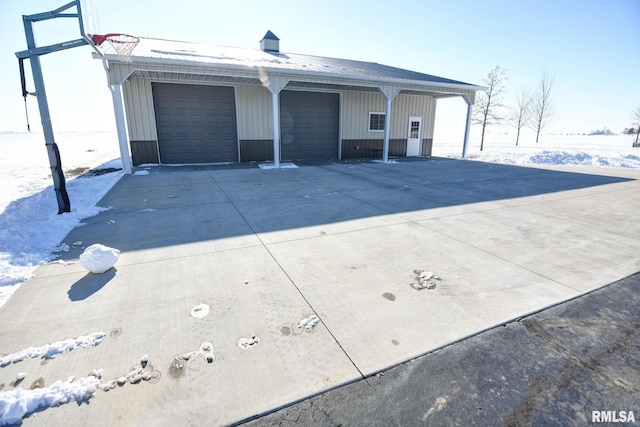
(233, 57)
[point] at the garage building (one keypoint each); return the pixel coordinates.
(188, 103)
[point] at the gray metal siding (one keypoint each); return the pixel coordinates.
(427, 145)
(256, 150)
(362, 148)
(195, 123)
(309, 125)
(372, 148)
(144, 152)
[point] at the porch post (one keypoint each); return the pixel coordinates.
(467, 127)
(276, 128)
(389, 92)
(275, 85)
(387, 125)
(121, 126)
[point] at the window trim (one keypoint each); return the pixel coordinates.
(383, 117)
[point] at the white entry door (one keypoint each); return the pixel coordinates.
(414, 137)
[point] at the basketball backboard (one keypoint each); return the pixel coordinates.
(89, 17)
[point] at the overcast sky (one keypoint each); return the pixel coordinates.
(592, 47)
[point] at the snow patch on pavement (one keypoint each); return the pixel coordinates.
(50, 351)
(200, 311)
(245, 343)
(425, 280)
(18, 403)
(306, 325)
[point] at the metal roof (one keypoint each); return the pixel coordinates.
(270, 36)
(172, 52)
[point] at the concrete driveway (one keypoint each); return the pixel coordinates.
(249, 289)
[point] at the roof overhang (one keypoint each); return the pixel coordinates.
(161, 69)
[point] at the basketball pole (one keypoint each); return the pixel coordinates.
(33, 54)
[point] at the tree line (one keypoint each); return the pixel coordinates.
(533, 108)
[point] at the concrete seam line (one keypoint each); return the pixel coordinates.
(289, 277)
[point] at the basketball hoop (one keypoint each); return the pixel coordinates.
(123, 44)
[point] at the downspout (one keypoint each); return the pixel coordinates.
(465, 144)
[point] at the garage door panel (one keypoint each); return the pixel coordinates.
(309, 124)
(196, 124)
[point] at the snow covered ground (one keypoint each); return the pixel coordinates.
(31, 231)
(584, 150)
(30, 228)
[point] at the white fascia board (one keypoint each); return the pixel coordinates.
(311, 76)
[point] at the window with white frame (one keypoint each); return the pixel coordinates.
(376, 122)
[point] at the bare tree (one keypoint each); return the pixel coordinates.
(635, 116)
(542, 108)
(520, 113)
(489, 102)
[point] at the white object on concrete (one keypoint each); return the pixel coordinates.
(245, 343)
(98, 258)
(200, 311)
(306, 325)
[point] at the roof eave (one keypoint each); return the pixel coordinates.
(355, 80)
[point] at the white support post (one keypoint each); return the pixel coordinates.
(467, 127)
(121, 126)
(275, 84)
(389, 92)
(387, 126)
(276, 128)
